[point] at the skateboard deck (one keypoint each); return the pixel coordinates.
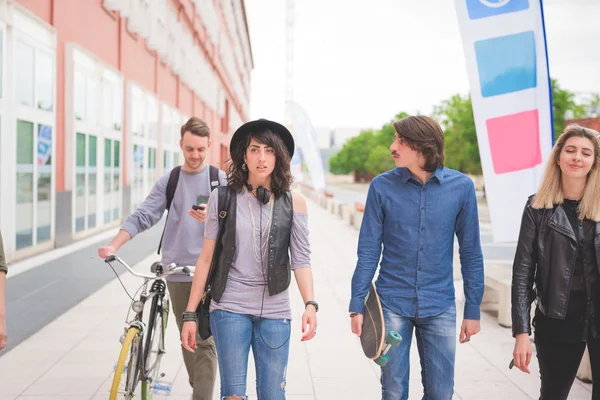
(373, 339)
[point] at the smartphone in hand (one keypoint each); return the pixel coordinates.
(198, 207)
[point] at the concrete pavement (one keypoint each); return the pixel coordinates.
(73, 356)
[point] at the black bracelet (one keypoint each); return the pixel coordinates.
(312, 303)
(190, 316)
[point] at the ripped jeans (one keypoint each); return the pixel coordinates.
(234, 334)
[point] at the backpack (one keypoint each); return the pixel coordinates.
(172, 186)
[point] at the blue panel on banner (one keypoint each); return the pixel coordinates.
(489, 8)
(506, 64)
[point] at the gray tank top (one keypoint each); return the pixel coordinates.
(246, 291)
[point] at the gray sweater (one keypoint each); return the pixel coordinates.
(184, 235)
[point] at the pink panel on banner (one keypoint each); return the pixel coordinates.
(514, 141)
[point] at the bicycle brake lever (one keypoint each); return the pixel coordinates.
(110, 258)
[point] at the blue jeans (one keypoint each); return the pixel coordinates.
(269, 338)
(436, 341)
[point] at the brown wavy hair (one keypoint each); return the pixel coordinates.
(281, 177)
(195, 126)
(550, 192)
(424, 135)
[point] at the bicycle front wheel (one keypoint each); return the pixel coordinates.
(127, 371)
(155, 345)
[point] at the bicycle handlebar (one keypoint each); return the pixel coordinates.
(171, 268)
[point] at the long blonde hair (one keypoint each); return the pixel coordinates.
(551, 191)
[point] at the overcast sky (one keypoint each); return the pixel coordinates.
(359, 62)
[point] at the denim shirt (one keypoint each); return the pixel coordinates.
(416, 224)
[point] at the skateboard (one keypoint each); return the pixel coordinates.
(373, 339)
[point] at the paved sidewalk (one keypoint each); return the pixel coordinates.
(73, 357)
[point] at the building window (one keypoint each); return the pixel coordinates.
(151, 165)
(24, 228)
(44, 183)
(24, 72)
(112, 122)
(144, 132)
(44, 73)
(171, 128)
(113, 102)
(34, 75)
(112, 179)
(80, 96)
(97, 115)
(34, 184)
(138, 175)
(92, 110)
(86, 178)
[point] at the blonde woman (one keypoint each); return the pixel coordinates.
(556, 263)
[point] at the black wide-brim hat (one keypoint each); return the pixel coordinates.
(258, 125)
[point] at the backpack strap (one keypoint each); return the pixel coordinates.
(214, 177)
(170, 193)
(172, 186)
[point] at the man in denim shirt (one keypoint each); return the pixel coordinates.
(414, 211)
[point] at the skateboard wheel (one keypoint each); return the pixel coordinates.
(393, 338)
(382, 360)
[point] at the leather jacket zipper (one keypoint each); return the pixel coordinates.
(567, 233)
(562, 230)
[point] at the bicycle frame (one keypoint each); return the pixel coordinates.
(158, 288)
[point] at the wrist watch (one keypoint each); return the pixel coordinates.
(314, 303)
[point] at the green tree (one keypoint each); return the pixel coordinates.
(460, 137)
(563, 101)
(379, 160)
(354, 155)
(385, 135)
(592, 106)
(367, 152)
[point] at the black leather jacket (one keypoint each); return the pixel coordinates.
(546, 253)
(279, 271)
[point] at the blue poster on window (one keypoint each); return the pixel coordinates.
(138, 156)
(44, 147)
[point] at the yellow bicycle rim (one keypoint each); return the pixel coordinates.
(125, 348)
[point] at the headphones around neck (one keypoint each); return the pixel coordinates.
(263, 195)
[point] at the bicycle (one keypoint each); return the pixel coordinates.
(139, 361)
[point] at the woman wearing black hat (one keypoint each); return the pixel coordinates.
(263, 237)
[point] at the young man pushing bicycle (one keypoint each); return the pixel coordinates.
(189, 188)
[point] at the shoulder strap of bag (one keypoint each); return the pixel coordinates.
(170, 193)
(214, 177)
